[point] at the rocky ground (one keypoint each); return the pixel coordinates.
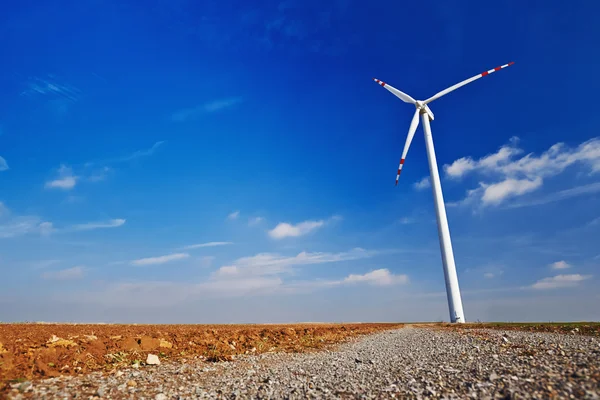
(404, 363)
(34, 351)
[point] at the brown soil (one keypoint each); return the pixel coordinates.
(32, 351)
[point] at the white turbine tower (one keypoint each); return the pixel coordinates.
(452, 289)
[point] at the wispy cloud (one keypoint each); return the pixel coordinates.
(3, 164)
(112, 223)
(99, 175)
(255, 221)
(209, 244)
(51, 86)
(558, 196)
(560, 281)
(234, 286)
(64, 274)
(66, 180)
(274, 264)
(233, 215)
(95, 171)
(422, 184)
(205, 108)
(46, 228)
(560, 265)
(488, 271)
(514, 177)
(407, 220)
(594, 222)
(139, 153)
(41, 264)
(14, 225)
(160, 259)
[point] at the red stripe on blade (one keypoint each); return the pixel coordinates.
(497, 68)
(484, 73)
(402, 161)
(511, 63)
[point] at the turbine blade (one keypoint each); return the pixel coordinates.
(466, 81)
(411, 132)
(401, 95)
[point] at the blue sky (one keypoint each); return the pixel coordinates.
(223, 162)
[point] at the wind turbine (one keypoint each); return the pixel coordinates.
(422, 108)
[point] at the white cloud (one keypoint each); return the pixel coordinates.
(209, 244)
(255, 221)
(50, 86)
(560, 195)
(407, 220)
(459, 167)
(422, 184)
(229, 270)
(67, 183)
(46, 228)
(560, 281)
(112, 223)
(139, 153)
(160, 259)
(514, 176)
(206, 108)
(66, 180)
(13, 226)
(241, 286)
(498, 192)
(284, 229)
(99, 175)
(64, 274)
(3, 164)
(274, 264)
(560, 265)
(380, 277)
(233, 215)
(488, 271)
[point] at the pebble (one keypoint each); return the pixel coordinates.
(152, 359)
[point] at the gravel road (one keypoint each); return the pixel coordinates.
(404, 363)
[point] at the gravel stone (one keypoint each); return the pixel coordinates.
(410, 363)
(152, 359)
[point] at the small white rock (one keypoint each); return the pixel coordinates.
(160, 396)
(153, 360)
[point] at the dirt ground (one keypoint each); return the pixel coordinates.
(576, 328)
(34, 351)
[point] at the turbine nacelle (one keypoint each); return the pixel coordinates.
(422, 107)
